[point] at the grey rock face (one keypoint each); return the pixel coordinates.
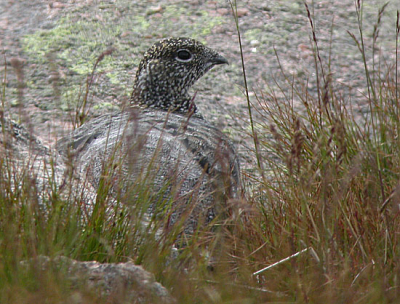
(165, 142)
(116, 283)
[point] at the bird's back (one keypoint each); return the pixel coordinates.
(184, 159)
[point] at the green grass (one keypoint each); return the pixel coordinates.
(325, 195)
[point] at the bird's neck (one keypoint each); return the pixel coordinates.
(166, 99)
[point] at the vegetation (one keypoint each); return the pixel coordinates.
(320, 222)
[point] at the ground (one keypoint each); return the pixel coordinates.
(49, 49)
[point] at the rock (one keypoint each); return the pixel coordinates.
(110, 282)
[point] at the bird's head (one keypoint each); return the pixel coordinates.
(167, 71)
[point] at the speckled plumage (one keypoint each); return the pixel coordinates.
(162, 143)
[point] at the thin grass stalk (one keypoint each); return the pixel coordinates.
(375, 36)
(388, 239)
(81, 111)
(397, 67)
(317, 58)
(3, 93)
(254, 135)
(330, 46)
(359, 12)
(3, 101)
(371, 90)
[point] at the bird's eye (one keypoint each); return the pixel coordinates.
(184, 55)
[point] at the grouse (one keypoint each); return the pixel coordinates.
(161, 142)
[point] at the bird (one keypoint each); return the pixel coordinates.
(161, 144)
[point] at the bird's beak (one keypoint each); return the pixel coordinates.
(219, 60)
